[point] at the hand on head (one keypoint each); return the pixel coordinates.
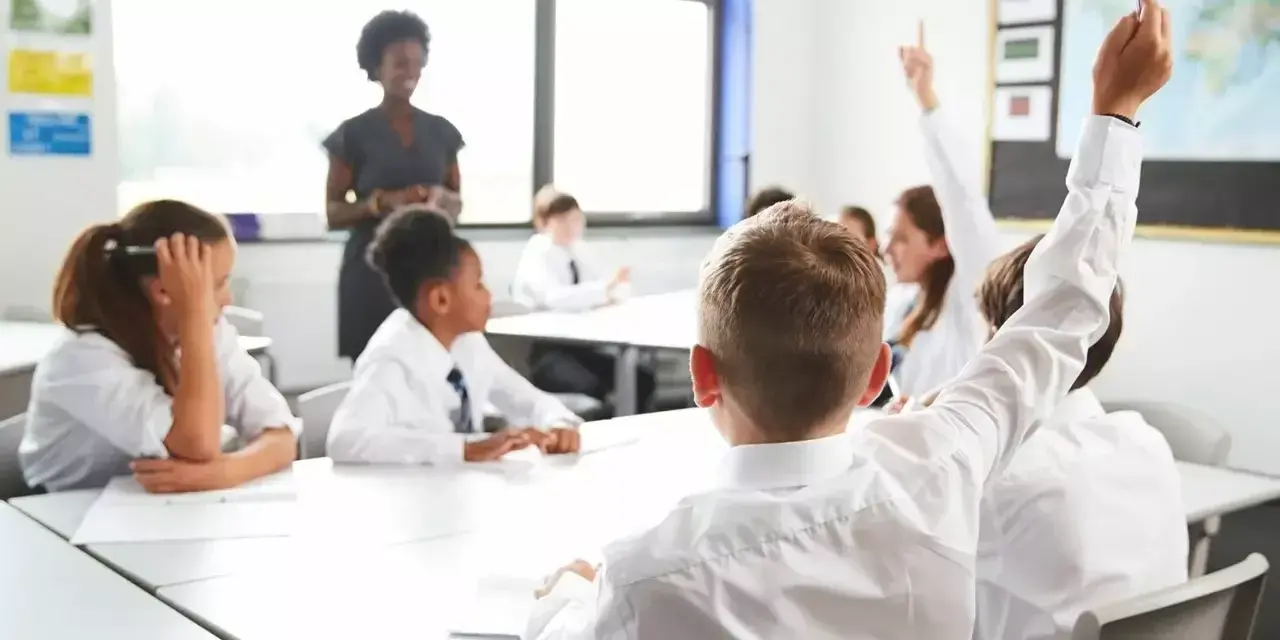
(917, 66)
(185, 266)
(1134, 61)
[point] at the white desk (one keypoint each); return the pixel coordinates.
(1214, 491)
(53, 591)
(665, 321)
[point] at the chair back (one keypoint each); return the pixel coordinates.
(246, 321)
(316, 408)
(12, 483)
(1193, 435)
(1222, 605)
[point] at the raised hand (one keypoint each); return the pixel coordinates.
(917, 66)
(1134, 61)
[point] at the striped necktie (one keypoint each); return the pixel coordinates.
(462, 422)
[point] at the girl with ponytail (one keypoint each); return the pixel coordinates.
(149, 371)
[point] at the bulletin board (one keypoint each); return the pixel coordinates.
(1212, 142)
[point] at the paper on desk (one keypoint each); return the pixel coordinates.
(126, 513)
(500, 609)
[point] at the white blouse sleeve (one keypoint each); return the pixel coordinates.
(98, 386)
(252, 403)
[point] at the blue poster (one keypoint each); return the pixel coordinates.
(49, 133)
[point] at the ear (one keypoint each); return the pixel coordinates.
(879, 376)
(436, 298)
(156, 293)
(706, 381)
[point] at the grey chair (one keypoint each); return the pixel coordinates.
(316, 408)
(12, 484)
(1220, 606)
(1193, 436)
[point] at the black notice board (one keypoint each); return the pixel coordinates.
(1210, 200)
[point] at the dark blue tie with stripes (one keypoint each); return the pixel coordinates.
(462, 423)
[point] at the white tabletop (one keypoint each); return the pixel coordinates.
(23, 344)
(664, 321)
(1211, 491)
(49, 589)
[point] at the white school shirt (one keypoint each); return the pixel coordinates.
(401, 405)
(1089, 512)
(544, 279)
(92, 411)
(940, 352)
(874, 535)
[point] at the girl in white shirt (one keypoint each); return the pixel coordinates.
(942, 239)
(149, 371)
(553, 274)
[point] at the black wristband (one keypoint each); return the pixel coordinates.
(1123, 119)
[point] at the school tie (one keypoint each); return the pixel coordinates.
(573, 271)
(462, 423)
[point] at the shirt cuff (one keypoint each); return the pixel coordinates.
(1109, 153)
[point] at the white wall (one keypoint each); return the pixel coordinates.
(831, 120)
(45, 201)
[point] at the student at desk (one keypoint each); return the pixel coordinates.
(554, 273)
(941, 240)
(150, 371)
(421, 385)
(818, 533)
(1090, 510)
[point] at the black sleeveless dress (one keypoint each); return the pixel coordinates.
(379, 160)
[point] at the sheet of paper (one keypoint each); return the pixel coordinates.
(1024, 54)
(1022, 114)
(500, 609)
(125, 512)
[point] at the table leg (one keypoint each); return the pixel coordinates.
(624, 377)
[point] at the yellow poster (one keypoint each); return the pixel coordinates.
(50, 73)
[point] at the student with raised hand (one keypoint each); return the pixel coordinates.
(942, 239)
(421, 386)
(815, 532)
(555, 272)
(1090, 510)
(149, 370)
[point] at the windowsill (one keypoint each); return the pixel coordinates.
(521, 232)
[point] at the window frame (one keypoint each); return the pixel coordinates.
(544, 128)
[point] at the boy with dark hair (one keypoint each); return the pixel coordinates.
(1089, 511)
(817, 533)
(765, 198)
(421, 385)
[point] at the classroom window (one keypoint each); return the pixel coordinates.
(632, 105)
(225, 103)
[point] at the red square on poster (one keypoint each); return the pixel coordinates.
(1020, 106)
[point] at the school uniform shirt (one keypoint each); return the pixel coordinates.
(873, 534)
(560, 278)
(1089, 512)
(937, 354)
(92, 411)
(403, 408)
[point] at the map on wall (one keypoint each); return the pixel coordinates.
(1220, 105)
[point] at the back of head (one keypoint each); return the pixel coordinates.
(765, 198)
(1001, 295)
(100, 284)
(791, 307)
(550, 202)
(412, 247)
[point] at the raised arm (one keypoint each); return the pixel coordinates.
(971, 233)
(1032, 361)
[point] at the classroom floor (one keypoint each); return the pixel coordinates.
(1247, 532)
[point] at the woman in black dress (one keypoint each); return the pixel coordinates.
(390, 156)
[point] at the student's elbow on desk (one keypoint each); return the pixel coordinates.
(195, 448)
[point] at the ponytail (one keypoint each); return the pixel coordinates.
(921, 205)
(100, 285)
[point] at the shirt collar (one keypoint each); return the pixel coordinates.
(435, 359)
(786, 464)
(1078, 406)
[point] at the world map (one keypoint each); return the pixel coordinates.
(1223, 101)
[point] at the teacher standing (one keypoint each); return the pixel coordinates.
(390, 156)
